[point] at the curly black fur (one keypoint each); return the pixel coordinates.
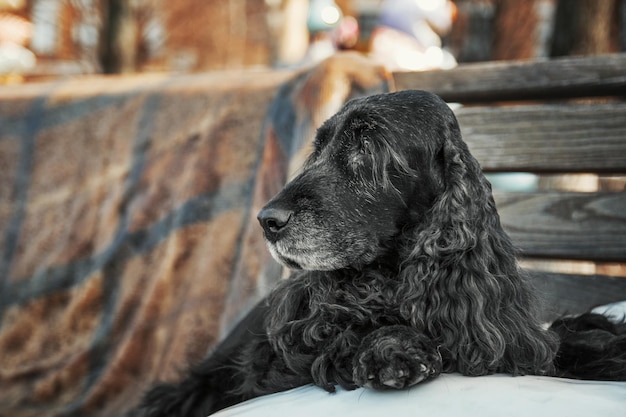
(402, 271)
(592, 347)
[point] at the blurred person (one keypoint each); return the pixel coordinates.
(346, 35)
(329, 30)
(408, 35)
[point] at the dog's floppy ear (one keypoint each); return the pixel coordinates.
(466, 207)
(475, 300)
(464, 215)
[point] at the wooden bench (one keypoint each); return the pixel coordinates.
(550, 118)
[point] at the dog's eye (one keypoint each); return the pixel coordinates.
(365, 147)
(361, 153)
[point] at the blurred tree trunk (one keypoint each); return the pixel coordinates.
(119, 44)
(586, 27)
(473, 33)
(515, 27)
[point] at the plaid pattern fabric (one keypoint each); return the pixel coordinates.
(128, 238)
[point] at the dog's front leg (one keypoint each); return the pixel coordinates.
(334, 364)
(395, 357)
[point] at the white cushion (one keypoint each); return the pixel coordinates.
(449, 395)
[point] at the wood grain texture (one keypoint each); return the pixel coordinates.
(587, 226)
(562, 294)
(547, 138)
(602, 75)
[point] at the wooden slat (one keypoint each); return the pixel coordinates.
(562, 294)
(588, 226)
(542, 80)
(547, 138)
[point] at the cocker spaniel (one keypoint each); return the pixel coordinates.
(401, 271)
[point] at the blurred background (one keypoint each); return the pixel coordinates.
(128, 238)
(43, 39)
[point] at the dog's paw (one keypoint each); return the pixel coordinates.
(395, 357)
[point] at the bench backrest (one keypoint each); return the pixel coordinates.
(551, 118)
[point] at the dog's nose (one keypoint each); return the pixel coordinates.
(273, 220)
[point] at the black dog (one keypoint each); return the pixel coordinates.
(402, 272)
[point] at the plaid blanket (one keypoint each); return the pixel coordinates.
(128, 239)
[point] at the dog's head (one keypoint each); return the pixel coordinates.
(392, 190)
(376, 170)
